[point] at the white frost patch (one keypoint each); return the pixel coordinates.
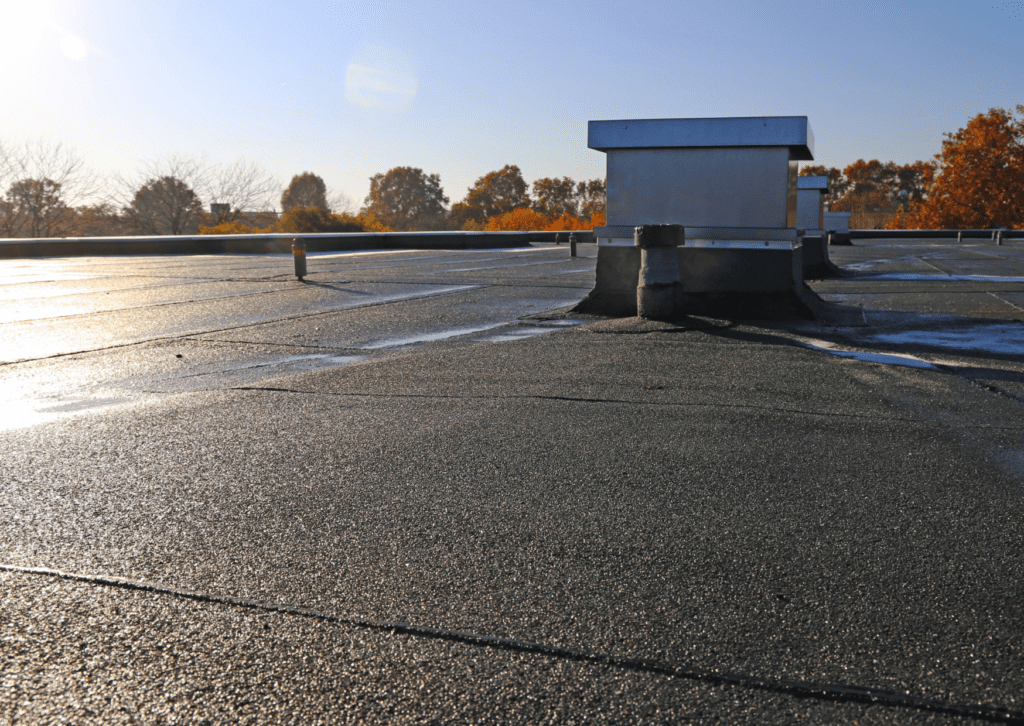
(520, 333)
(918, 277)
(891, 359)
(429, 337)
(1000, 338)
(359, 253)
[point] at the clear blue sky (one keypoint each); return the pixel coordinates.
(347, 89)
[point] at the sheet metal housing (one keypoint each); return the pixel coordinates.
(739, 187)
(732, 182)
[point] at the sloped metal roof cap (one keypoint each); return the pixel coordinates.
(812, 182)
(680, 133)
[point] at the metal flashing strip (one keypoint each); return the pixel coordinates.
(617, 230)
(722, 244)
(624, 231)
(743, 244)
(786, 234)
(778, 238)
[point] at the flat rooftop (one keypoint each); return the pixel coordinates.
(416, 488)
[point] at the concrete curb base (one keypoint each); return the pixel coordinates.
(770, 286)
(791, 305)
(749, 284)
(800, 303)
(815, 258)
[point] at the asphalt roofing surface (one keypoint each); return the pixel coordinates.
(414, 489)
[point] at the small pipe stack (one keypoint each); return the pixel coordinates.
(659, 269)
(299, 256)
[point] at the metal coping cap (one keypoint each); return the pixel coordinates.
(793, 132)
(812, 182)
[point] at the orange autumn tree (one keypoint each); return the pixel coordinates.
(522, 219)
(233, 227)
(492, 195)
(980, 180)
(869, 185)
(567, 223)
(529, 220)
(304, 220)
(311, 220)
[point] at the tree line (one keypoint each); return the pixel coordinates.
(975, 182)
(406, 198)
(51, 193)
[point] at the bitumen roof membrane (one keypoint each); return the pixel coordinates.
(416, 489)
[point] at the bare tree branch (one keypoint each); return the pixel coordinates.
(340, 203)
(9, 162)
(244, 186)
(46, 181)
(161, 197)
(229, 190)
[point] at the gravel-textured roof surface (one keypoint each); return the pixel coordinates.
(704, 521)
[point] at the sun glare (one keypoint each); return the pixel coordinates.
(73, 47)
(21, 26)
(19, 414)
(16, 409)
(25, 23)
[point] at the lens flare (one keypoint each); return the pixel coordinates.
(381, 79)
